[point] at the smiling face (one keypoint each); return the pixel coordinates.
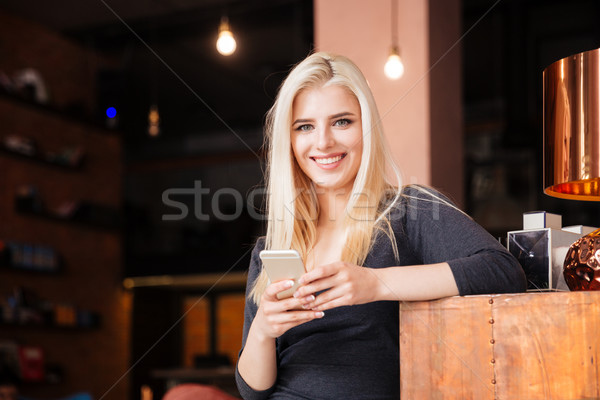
(326, 135)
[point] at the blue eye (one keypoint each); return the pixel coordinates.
(304, 128)
(342, 123)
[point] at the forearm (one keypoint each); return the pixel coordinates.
(259, 375)
(415, 283)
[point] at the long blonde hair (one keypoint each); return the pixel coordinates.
(292, 205)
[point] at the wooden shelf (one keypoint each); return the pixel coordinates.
(88, 218)
(40, 159)
(23, 270)
(45, 319)
(54, 111)
(33, 325)
(232, 280)
(61, 170)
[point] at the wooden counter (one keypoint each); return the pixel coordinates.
(520, 346)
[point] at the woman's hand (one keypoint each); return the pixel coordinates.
(348, 285)
(275, 317)
(258, 362)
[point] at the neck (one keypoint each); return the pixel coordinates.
(332, 206)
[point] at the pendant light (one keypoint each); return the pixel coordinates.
(394, 69)
(153, 121)
(226, 42)
(153, 116)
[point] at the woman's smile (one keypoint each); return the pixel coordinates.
(329, 161)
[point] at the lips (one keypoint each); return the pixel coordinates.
(329, 159)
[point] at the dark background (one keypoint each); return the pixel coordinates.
(504, 57)
(212, 109)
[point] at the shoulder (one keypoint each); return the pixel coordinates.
(416, 199)
(422, 192)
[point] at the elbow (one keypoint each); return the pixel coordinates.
(514, 279)
(490, 273)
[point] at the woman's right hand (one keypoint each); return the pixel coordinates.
(275, 317)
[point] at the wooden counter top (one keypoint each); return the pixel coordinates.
(516, 346)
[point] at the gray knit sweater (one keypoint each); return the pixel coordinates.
(352, 352)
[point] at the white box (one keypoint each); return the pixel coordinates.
(581, 229)
(541, 220)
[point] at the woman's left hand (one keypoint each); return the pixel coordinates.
(348, 285)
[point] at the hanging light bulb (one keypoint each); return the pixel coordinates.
(153, 121)
(394, 69)
(226, 42)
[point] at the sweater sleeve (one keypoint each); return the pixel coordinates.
(438, 232)
(250, 310)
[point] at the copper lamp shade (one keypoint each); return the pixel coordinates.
(572, 127)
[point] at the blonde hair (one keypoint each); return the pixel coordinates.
(292, 205)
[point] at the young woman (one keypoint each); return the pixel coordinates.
(367, 243)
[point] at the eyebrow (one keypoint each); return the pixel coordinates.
(334, 116)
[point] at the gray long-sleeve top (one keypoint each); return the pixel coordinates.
(353, 351)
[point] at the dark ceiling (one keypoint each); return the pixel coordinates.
(165, 52)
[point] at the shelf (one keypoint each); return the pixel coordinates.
(54, 111)
(61, 168)
(39, 159)
(86, 215)
(28, 318)
(22, 270)
(232, 280)
(32, 325)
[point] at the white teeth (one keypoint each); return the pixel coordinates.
(329, 160)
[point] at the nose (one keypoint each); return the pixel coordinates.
(325, 138)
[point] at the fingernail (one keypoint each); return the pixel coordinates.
(289, 283)
(319, 314)
(297, 294)
(310, 298)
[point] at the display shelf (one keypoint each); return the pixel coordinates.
(49, 109)
(29, 257)
(21, 270)
(33, 325)
(61, 170)
(40, 159)
(87, 215)
(65, 317)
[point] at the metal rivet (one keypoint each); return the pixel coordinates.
(492, 341)
(493, 381)
(491, 301)
(493, 361)
(491, 320)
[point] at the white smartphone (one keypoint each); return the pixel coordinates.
(281, 265)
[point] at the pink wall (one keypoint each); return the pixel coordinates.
(361, 31)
